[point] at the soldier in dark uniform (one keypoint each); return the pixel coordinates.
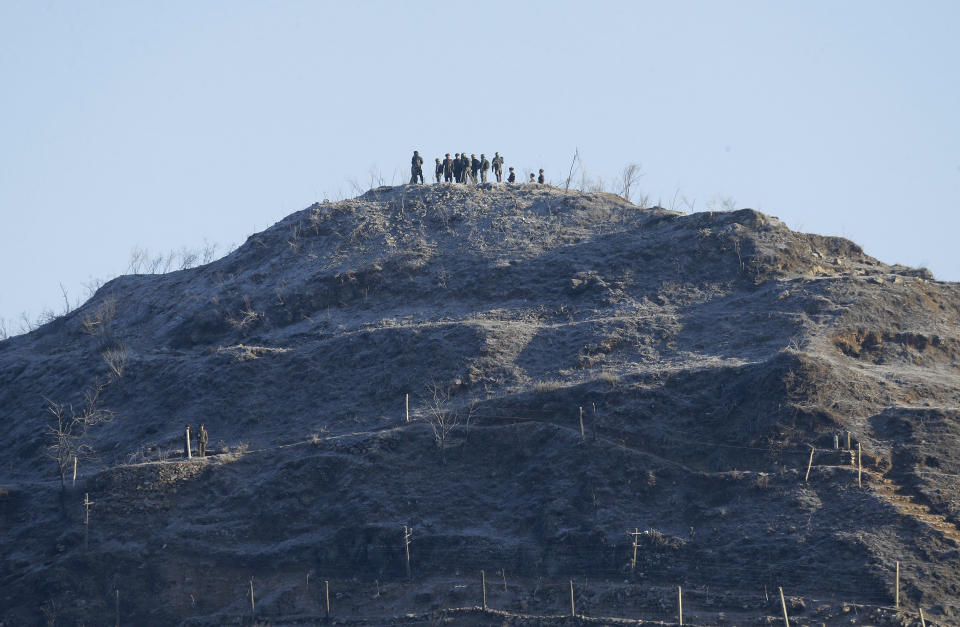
(416, 167)
(464, 167)
(484, 166)
(498, 167)
(457, 168)
(448, 169)
(532, 178)
(202, 437)
(474, 167)
(541, 179)
(512, 178)
(438, 170)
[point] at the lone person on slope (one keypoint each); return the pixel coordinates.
(202, 438)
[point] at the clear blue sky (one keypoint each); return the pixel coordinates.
(164, 124)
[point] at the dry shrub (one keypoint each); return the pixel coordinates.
(543, 387)
(97, 321)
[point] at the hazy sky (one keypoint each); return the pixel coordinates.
(161, 125)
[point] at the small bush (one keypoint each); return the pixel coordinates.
(543, 387)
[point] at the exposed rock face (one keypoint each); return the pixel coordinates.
(707, 352)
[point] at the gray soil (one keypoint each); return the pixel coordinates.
(577, 368)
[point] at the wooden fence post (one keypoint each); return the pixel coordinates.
(504, 573)
(680, 604)
(117, 607)
(897, 598)
(783, 603)
(859, 466)
(809, 465)
(86, 520)
(573, 609)
(189, 454)
(326, 587)
(636, 536)
(74, 470)
(483, 586)
(407, 404)
(253, 606)
(583, 436)
(406, 542)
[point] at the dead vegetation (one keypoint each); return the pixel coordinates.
(241, 352)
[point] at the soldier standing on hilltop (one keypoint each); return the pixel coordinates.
(457, 168)
(438, 170)
(532, 179)
(448, 168)
(484, 166)
(464, 167)
(541, 179)
(474, 168)
(513, 177)
(416, 168)
(202, 438)
(498, 167)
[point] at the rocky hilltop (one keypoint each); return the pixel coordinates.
(587, 400)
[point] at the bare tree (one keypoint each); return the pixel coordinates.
(629, 177)
(443, 420)
(68, 430)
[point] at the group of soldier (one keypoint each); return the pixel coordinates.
(465, 169)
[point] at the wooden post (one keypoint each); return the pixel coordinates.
(859, 466)
(74, 470)
(573, 609)
(680, 604)
(897, 598)
(593, 421)
(406, 542)
(117, 607)
(582, 434)
(253, 606)
(189, 454)
(836, 441)
(86, 520)
(86, 507)
(848, 440)
(809, 465)
(636, 537)
(783, 603)
(504, 573)
(483, 586)
(407, 403)
(923, 623)
(326, 587)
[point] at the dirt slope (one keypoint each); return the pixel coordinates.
(577, 367)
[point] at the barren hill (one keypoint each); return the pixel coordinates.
(516, 379)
